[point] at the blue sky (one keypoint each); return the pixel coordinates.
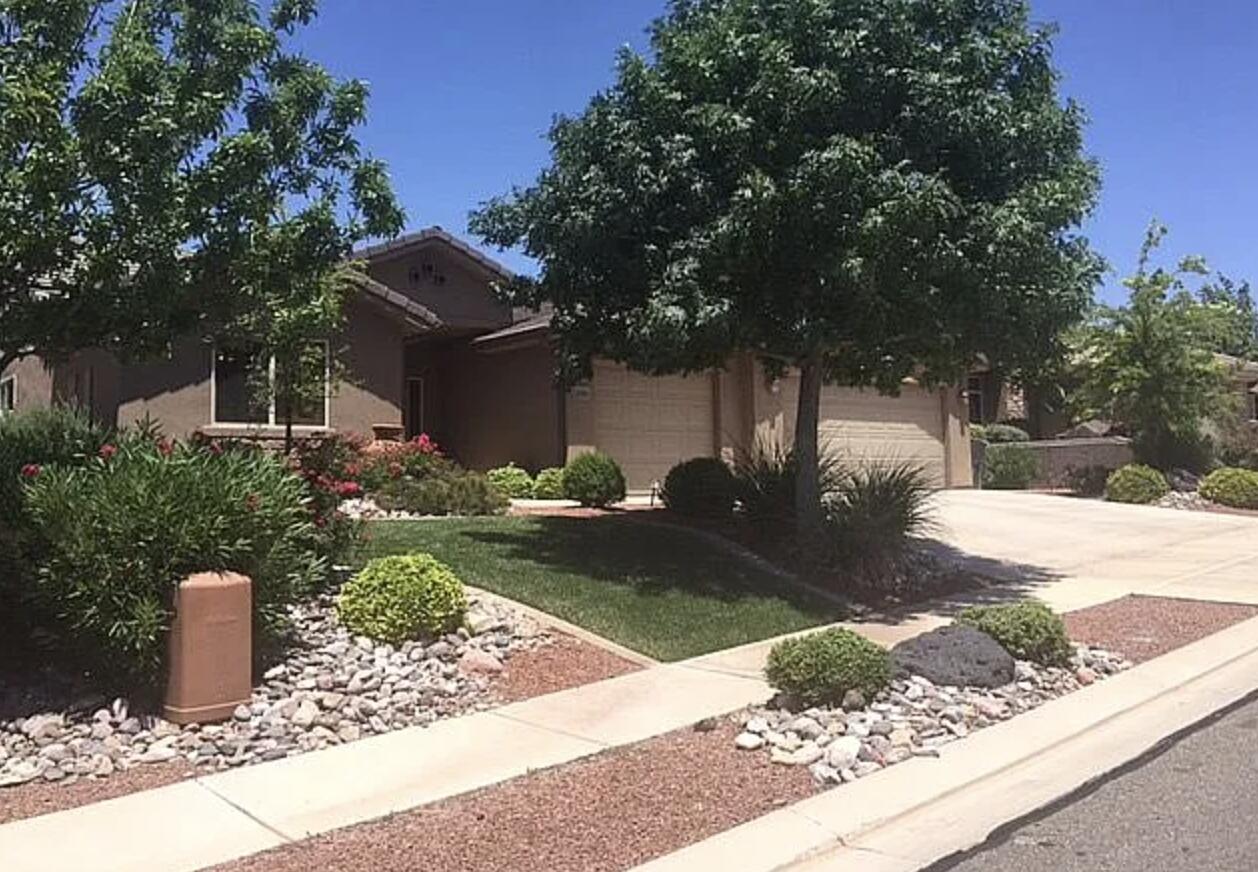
(463, 92)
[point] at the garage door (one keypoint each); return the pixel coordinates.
(868, 426)
(650, 423)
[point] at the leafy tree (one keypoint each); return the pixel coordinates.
(1150, 366)
(167, 167)
(1231, 317)
(860, 190)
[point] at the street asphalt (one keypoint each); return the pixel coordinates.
(1191, 808)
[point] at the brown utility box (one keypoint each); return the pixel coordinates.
(211, 648)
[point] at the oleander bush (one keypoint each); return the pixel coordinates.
(42, 437)
(702, 487)
(1136, 483)
(1237, 488)
(820, 668)
(514, 482)
(549, 484)
(1010, 466)
(118, 533)
(594, 479)
(400, 598)
(1028, 630)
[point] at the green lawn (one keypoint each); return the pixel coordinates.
(662, 591)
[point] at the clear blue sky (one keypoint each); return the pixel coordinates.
(463, 92)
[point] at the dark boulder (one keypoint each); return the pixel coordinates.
(955, 655)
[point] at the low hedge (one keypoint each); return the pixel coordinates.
(1136, 483)
(403, 597)
(702, 487)
(549, 484)
(1010, 466)
(1028, 630)
(999, 434)
(512, 481)
(819, 669)
(1237, 488)
(458, 493)
(594, 479)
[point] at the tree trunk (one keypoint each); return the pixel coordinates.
(288, 423)
(807, 417)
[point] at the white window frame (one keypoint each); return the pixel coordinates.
(10, 380)
(271, 419)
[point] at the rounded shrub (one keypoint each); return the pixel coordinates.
(702, 487)
(593, 479)
(1000, 434)
(1237, 488)
(396, 599)
(514, 482)
(1010, 466)
(1136, 483)
(820, 668)
(549, 484)
(1028, 630)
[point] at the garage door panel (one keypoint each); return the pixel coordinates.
(873, 428)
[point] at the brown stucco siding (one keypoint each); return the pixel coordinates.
(372, 353)
(444, 283)
(174, 391)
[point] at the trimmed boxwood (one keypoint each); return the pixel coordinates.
(403, 597)
(594, 479)
(1136, 483)
(998, 434)
(1237, 488)
(549, 484)
(514, 482)
(1028, 630)
(819, 669)
(702, 487)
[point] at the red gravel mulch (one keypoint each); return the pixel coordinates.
(43, 797)
(1143, 627)
(565, 663)
(604, 814)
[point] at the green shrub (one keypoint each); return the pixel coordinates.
(1136, 483)
(999, 434)
(514, 482)
(765, 485)
(702, 488)
(593, 479)
(453, 493)
(42, 437)
(1237, 488)
(874, 515)
(120, 532)
(1088, 481)
(1010, 466)
(821, 668)
(549, 484)
(396, 599)
(1028, 630)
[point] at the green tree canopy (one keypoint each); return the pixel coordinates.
(168, 166)
(863, 190)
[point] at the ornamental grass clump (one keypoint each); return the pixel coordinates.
(1028, 630)
(820, 669)
(1137, 484)
(401, 598)
(1237, 488)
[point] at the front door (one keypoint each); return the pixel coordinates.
(415, 423)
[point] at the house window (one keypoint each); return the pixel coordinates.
(1253, 402)
(974, 394)
(240, 376)
(8, 395)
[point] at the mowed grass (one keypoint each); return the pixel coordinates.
(663, 591)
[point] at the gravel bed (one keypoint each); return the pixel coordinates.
(912, 718)
(603, 814)
(330, 688)
(1144, 627)
(564, 664)
(45, 797)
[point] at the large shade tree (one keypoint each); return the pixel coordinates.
(169, 167)
(859, 190)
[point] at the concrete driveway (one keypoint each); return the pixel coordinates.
(1075, 552)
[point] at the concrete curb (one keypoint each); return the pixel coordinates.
(922, 811)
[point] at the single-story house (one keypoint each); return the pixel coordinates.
(428, 348)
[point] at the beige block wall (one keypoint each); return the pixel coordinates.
(34, 382)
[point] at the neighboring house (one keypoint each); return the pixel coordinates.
(428, 348)
(1245, 383)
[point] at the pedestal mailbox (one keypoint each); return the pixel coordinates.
(211, 648)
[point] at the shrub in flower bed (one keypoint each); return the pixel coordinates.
(1010, 466)
(42, 437)
(1237, 488)
(822, 668)
(118, 533)
(1028, 630)
(1136, 483)
(549, 484)
(457, 493)
(999, 434)
(702, 487)
(402, 598)
(514, 483)
(594, 479)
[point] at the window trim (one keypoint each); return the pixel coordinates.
(9, 380)
(271, 421)
(971, 394)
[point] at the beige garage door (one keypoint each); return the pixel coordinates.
(650, 423)
(876, 428)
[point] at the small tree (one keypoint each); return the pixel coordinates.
(1150, 366)
(168, 167)
(858, 190)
